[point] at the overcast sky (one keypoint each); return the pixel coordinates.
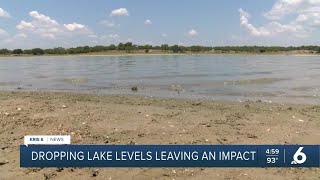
(55, 23)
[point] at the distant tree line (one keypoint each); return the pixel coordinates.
(129, 47)
(262, 49)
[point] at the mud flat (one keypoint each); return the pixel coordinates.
(121, 119)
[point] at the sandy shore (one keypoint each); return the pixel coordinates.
(119, 119)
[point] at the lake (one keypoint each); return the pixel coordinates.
(293, 79)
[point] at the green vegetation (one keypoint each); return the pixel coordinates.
(134, 88)
(129, 47)
(17, 51)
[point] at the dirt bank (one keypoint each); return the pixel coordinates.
(101, 119)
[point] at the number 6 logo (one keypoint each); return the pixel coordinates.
(299, 157)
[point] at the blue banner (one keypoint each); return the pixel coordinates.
(41, 156)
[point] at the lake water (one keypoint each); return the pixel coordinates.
(293, 79)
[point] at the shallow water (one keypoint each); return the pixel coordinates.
(294, 79)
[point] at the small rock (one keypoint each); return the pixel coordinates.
(49, 176)
(3, 163)
(19, 109)
(64, 106)
(197, 103)
(95, 173)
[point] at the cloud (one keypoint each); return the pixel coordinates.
(43, 18)
(45, 27)
(306, 11)
(20, 36)
(283, 7)
(4, 13)
(272, 28)
(41, 25)
(25, 25)
(193, 32)
(148, 22)
(3, 33)
(74, 26)
(114, 36)
(94, 36)
(164, 35)
(120, 12)
(109, 23)
(244, 22)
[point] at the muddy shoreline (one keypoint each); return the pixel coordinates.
(123, 119)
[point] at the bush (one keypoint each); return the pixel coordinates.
(134, 88)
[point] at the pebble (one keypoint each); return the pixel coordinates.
(19, 109)
(64, 106)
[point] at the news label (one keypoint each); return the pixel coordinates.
(47, 139)
(169, 156)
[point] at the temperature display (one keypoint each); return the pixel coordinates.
(272, 156)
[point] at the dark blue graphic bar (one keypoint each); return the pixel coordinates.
(42, 156)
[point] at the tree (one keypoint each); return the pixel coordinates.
(175, 48)
(147, 50)
(85, 49)
(195, 49)
(121, 47)
(128, 47)
(48, 51)
(98, 48)
(112, 47)
(164, 47)
(17, 52)
(27, 51)
(37, 51)
(4, 51)
(59, 50)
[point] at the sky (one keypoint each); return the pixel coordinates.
(71, 23)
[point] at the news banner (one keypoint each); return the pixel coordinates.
(56, 151)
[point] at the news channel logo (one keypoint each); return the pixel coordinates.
(299, 157)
